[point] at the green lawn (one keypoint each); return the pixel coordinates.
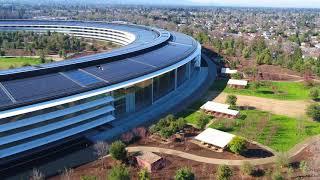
(276, 131)
(7, 63)
(273, 90)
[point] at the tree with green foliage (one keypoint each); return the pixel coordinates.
(313, 111)
(231, 100)
(237, 75)
(237, 145)
(119, 172)
(167, 126)
(144, 174)
(246, 52)
(277, 176)
(203, 120)
(118, 151)
(184, 174)
(314, 93)
(224, 172)
(246, 168)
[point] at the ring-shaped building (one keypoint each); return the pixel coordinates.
(44, 104)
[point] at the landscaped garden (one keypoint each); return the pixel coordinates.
(15, 62)
(278, 132)
(268, 89)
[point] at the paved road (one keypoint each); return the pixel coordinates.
(291, 153)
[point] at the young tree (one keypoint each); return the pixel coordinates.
(237, 145)
(313, 111)
(231, 100)
(283, 160)
(184, 174)
(101, 149)
(303, 166)
(118, 150)
(203, 120)
(246, 168)
(67, 174)
(314, 93)
(37, 175)
(224, 172)
(144, 174)
(119, 172)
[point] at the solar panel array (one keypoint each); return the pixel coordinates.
(4, 99)
(39, 87)
(82, 78)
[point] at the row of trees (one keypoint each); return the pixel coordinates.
(262, 53)
(168, 126)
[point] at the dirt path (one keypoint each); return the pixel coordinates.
(262, 161)
(289, 108)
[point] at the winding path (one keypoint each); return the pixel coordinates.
(291, 153)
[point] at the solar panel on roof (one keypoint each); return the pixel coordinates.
(29, 89)
(119, 70)
(81, 77)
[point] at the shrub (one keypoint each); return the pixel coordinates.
(167, 126)
(231, 100)
(314, 93)
(303, 166)
(184, 174)
(85, 177)
(282, 160)
(313, 111)
(118, 150)
(277, 176)
(203, 120)
(246, 168)
(119, 172)
(237, 145)
(144, 175)
(224, 172)
(236, 75)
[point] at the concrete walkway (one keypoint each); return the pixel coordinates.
(262, 161)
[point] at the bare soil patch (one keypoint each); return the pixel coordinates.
(288, 108)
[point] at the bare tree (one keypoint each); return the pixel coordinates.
(66, 174)
(36, 175)
(101, 149)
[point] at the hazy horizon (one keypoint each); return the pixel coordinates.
(237, 3)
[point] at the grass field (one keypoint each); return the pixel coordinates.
(15, 62)
(278, 132)
(274, 90)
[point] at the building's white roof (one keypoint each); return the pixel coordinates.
(211, 104)
(217, 107)
(215, 137)
(238, 82)
(228, 71)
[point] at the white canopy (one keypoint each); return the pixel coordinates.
(238, 82)
(215, 137)
(228, 71)
(220, 108)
